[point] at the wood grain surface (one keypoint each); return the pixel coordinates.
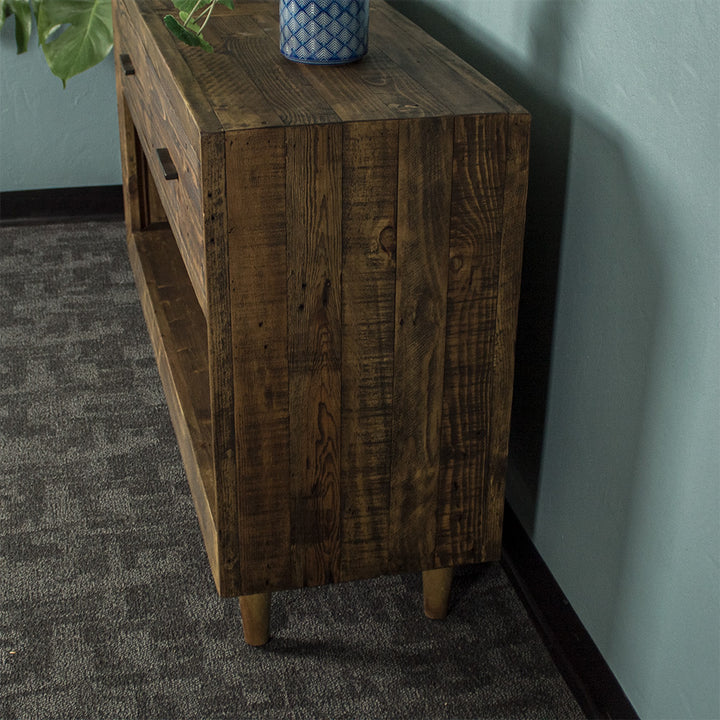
(258, 286)
(370, 176)
(177, 331)
(517, 151)
(424, 187)
(336, 318)
(474, 260)
(220, 359)
(314, 262)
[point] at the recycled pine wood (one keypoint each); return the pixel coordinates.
(259, 327)
(328, 259)
(423, 227)
(370, 152)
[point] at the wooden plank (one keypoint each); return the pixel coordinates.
(154, 211)
(285, 89)
(141, 202)
(235, 99)
(445, 76)
(419, 73)
(370, 155)
(151, 211)
(129, 146)
(176, 78)
(258, 286)
(158, 123)
(153, 76)
(141, 198)
(250, 7)
(344, 88)
(314, 263)
(129, 151)
(514, 201)
(424, 187)
(374, 89)
(475, 236)
(431, 73)
(268, 20)
(241, 7)
(220, 360)
(178, 331)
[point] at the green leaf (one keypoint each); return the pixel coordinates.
(189, 23)
(185, 35)
(187, 6)
(5, 12)
(227, 3)
(23, 21)
(85, 36)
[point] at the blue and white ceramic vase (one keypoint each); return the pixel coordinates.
(324, 32)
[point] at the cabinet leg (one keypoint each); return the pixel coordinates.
(255, 611)
(436, 592)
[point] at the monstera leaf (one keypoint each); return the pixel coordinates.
(77, 34)
(74, 34)
(23, 20)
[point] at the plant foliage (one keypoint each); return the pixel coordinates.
(74, 34)
(194, 15)
(23, 20)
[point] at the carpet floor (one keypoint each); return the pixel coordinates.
(107, 606)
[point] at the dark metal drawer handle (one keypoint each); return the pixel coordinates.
(127, 66)
(168, 167)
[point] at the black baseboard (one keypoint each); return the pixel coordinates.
(61, 204)
(577, 657)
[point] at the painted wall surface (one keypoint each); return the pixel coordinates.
(615, 463)
(50, 137)
(623, 264)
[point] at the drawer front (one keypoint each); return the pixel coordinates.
(172, 154)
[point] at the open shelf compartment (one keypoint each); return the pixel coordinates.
(178, 332)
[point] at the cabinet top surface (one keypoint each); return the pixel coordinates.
(246, 82)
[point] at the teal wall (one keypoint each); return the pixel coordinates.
(50, 137)
(615, 464)
(619, 345)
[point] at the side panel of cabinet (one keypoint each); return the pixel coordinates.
(220, 360)
(464, 506)
(369, 182)
(258, 312)
(515, 188)
(314, 260)
(424, 191)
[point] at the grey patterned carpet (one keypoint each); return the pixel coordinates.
(107, 607)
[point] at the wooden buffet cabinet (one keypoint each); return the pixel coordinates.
(328, 259)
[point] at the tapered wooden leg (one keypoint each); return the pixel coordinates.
(255, 611)
(436, 592)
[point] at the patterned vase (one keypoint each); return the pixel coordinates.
(324, 32)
